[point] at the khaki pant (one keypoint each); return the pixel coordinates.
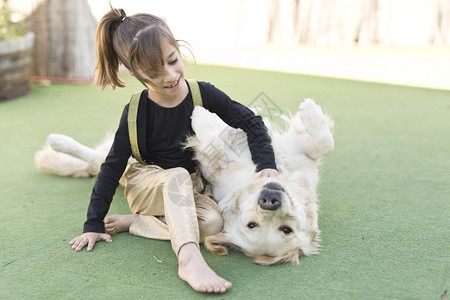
(171, 205)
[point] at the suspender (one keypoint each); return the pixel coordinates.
(133, 112)
(195, 92)
(132, 126)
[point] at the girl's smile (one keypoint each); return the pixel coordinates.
(175, 85)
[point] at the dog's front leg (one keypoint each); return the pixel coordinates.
(312, 130)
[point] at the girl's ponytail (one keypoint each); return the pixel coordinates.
(108, 61)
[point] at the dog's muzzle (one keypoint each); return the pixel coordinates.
(270, 197)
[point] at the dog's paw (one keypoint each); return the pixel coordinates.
(60, 142)
(311, 115)
(204, 122)
(198, 114)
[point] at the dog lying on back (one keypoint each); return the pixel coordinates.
(273, 220)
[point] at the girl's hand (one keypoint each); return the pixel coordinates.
(268, 173)
(89, 239)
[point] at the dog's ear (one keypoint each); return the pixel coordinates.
(217, 243)
(292, 258)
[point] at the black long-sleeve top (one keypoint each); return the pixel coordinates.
(161, 131)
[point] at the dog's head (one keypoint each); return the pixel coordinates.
(273, 220)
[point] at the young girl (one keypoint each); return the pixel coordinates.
(167, 197)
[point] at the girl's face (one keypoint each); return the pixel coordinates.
(171, 81)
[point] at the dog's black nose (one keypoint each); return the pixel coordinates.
(269, 199)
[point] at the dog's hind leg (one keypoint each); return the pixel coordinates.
(312, 130)
(66, 157)
(66, 144)
(62, 164)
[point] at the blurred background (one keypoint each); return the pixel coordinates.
(394, 41)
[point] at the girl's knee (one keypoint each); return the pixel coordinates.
(178, 188)
(179, 177)
(180, 173)
(210, 223)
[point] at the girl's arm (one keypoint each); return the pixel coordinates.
(108, 178)
(269, 173)
(238, 116)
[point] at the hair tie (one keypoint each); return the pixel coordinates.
(120, 20)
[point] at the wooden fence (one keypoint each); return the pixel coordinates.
(366, 22)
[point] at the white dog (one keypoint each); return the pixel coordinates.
(273, 220)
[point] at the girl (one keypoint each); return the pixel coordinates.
(167, 197)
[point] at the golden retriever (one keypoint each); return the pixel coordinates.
(273, 220)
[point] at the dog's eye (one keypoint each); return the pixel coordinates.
(251, 225)
(286, 229)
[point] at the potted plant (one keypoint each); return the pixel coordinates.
(16, 47)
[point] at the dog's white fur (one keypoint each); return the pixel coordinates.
(274, 234)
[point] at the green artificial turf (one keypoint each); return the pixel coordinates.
(384, 196)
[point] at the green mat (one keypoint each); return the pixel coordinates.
(384, 196)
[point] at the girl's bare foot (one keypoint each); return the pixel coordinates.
(118, 223)
(194, 270)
